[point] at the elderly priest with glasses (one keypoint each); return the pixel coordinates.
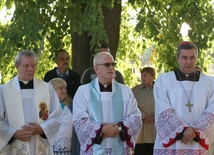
(89, 74)
(105, 113)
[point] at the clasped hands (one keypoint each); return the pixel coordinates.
(110, 130)
(149, 119)
(188, 135)
(24, 134)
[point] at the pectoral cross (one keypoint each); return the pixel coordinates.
(189, 105)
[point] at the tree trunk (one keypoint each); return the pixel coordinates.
(112, 19)
(81, 53)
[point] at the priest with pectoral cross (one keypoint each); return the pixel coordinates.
(184, 106)
(29, 111)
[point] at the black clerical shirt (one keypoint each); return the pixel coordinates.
(105, 89)
(180, 76)
(29, 85)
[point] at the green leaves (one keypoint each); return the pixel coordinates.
(161, 21)
(46, 26)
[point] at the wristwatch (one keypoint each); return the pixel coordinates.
(119, 127)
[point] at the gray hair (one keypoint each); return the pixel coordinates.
(27, 53)
(57, 82)
(96, 57)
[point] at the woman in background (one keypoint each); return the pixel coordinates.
(145, 99)
(66, 143)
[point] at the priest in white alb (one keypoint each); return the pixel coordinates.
(184, 107)
(29, 109)
(105, 113)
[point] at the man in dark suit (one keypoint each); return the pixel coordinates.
(62, 70)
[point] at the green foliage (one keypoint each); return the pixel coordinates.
(130, 48)
(161, 22)
(46, 26)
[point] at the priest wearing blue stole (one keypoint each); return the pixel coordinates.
(29, 111)
(105, 113)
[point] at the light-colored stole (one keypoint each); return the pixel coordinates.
(14, 108)
(97, 115)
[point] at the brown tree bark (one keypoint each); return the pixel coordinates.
(81, 53)
(112, 19)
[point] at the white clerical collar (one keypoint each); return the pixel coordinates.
(25, 82)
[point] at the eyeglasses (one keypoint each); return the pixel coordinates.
(113, 64)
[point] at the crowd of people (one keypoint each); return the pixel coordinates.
(97, 114)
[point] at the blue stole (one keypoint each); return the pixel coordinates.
(96, 112)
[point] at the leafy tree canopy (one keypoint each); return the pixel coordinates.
(45, 26)
(161, 22)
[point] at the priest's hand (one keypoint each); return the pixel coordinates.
(34, 127)
(110, 130)
(188, 135)
(23, 135)
(149, 119)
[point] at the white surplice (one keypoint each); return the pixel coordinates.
(86, 127)
(172, 114)
(28, 99)
(63, 140)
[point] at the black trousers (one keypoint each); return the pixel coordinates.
(144, 149)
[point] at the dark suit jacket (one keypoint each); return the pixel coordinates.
(73, 80)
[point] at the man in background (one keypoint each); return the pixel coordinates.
(62, 70)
